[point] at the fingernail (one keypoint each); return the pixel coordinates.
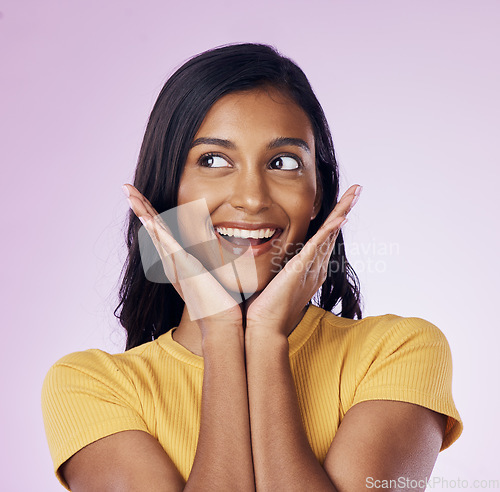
(125, 190)
(354, 201)
(130, 203)
(143, 221)
(343, 223)
(358, 190)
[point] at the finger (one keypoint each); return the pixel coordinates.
(177, 263)
(319, 247)
(193, 281)
(326, 239)
(348, 200)
(310, 266)
(159, 241)
(170, 250)
(346, 203)
(186, 273)
(320, 250)
(325, 234)
(134, 192)
(140, 205)
(145, 211)
(328, 232)
(357, 194)
(331, 243)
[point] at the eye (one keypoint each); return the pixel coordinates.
(286, 163)
(212, 160)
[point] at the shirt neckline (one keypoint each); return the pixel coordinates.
(296, 339)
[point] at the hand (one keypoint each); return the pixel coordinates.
(278, 307)
(206, 299)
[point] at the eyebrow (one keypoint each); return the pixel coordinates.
(277, 142)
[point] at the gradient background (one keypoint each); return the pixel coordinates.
(411, 92)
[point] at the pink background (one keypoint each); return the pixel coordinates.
(411, 92)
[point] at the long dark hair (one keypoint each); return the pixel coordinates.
(150, 309)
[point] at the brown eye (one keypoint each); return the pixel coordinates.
(285, 163)
(212, 160)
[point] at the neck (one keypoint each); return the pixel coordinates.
(188, 333)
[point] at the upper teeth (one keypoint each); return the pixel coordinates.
(244, 233)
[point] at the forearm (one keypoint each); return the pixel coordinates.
(223, 459)
(283, 458)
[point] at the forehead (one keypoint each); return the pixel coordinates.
(265, 111)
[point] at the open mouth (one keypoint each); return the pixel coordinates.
(254, 238)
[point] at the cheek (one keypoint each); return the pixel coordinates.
(187, 190)
(191, 189)
(300, 224)
(195, 202)
(300, 210)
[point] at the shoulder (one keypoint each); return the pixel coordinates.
(85, 381)
(391, 347)
(398, 358)
(98, 365)
(118, 374)
(376, 336)
(92, 394)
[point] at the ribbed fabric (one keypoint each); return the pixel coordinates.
(336, 363)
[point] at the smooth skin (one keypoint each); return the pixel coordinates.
(258, 442)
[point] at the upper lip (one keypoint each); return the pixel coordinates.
(250, 226)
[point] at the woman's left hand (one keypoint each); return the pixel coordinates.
(278, 307)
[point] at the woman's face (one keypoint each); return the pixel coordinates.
(250, 170)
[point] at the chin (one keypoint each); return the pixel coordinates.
(243, 276)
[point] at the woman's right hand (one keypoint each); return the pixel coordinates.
(206, 299)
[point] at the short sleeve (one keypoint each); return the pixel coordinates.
(85, 397)
(410, 361)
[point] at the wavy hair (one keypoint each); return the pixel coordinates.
(150, 309)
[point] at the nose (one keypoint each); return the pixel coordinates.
(250, 192)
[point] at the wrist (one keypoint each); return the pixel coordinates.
(265, 336)
(222, 335)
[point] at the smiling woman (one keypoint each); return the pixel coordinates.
(247, 177)
(232, 378)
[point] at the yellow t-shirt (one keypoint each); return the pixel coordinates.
(336, 362)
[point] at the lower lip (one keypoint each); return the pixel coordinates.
(241, 250)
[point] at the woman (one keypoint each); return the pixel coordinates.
(232, 379)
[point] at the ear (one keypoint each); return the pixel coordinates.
(318, 200)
